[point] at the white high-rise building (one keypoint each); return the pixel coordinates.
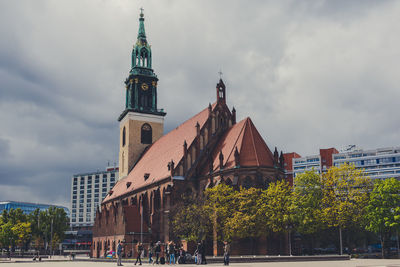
(87, 192)
(380, 163)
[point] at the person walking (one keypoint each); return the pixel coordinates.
(199, 250)
(139, 253)
(119, 253)
(157, 251)
(151, 252)
(227, 252)
(171, 252)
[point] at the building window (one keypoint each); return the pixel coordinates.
(73, 197)
(146, 134)
(96, 186)
(123, 136)
(104, 180)
(82, 180)
(112, 174)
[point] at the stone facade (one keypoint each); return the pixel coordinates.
(132, 148)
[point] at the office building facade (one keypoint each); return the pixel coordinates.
(87, 192)
(380, 163)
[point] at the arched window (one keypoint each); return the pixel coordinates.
(193, 155)
(123, 136)
(123, 161)
(146, 134)
(201, 138)
(189, 162)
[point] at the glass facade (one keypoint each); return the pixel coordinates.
(27, 207)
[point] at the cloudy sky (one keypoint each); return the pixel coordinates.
(310, 74)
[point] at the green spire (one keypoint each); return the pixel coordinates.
(141, 53)
(141, 33)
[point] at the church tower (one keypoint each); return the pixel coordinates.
(141, 123)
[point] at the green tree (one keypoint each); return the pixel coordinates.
(278, 208)
(383, 210)
(345, 198)
(22, 233)
(245, 220)
(307, 196)
(191, 222)
(218, 205)
(7, 235)
(14, 229)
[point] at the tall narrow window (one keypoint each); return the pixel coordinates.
(146, 134)
(123, 136)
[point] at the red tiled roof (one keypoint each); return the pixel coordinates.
(155, 160)
(253, 151)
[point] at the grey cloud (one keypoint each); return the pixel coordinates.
(310, 74)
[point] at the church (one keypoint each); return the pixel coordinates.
(155, 170)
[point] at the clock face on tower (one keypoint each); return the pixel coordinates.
(145, 86)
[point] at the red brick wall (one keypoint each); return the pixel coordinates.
(326, 157)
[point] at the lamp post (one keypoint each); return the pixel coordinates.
(51, 238)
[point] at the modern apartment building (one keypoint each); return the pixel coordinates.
(87, 192)
(380, 163)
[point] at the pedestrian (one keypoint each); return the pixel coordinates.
(119, 253)
(166, 252)
(199, 251)
(203, 253)
(139, 253)
(227, 252)
(171, 252)
(151, 252)
(157, 250)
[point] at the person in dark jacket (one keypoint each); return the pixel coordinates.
(203, 253)
(199, 250)
(157, 251)
(227, 252)
(139, 253)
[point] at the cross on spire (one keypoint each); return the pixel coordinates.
(220, 74)
(141, 10)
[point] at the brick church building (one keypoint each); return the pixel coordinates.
(155, 169)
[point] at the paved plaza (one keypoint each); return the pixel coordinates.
(348, 263)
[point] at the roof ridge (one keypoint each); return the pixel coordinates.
(252, 140)
(236, 141)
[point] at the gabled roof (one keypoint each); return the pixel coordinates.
(155, 160)
(253, 151)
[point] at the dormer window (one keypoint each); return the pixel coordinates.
(128, 184)
(146, 176)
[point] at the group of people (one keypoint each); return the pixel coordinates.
(173, 253)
